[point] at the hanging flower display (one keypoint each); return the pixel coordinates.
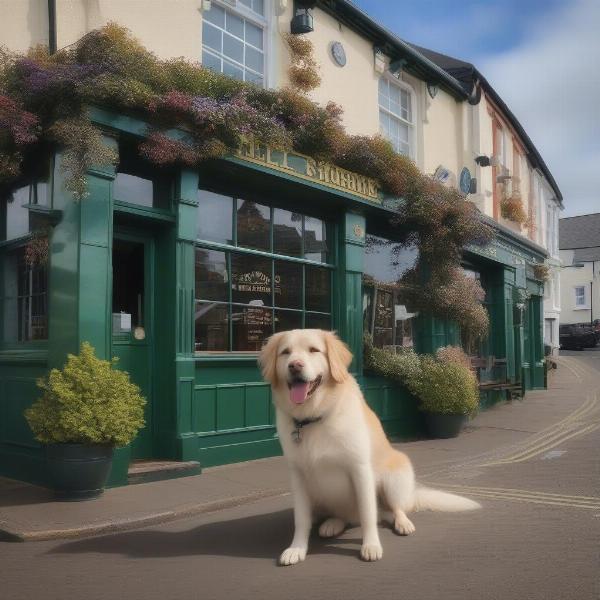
(44, 100)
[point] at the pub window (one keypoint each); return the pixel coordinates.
(17, 219)
(385, 317)
(474, 346)
(138, 182)
(259, 270)
(24, 299)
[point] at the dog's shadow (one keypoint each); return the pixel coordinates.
(256, 536)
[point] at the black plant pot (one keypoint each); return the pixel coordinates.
(443, 425)
(78, 471)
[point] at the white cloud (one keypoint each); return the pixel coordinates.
(551, 82)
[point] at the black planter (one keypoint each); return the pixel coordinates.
(443, 425)
(78, 471)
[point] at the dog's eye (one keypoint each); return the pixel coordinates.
(285, 351)
(314, 350)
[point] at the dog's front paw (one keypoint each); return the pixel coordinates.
(371, 552)
(291, 556)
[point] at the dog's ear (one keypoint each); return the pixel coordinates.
(267, 359)
(338, 355)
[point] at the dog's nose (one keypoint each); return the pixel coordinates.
(296, 366)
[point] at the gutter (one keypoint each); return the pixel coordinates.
(347, 12)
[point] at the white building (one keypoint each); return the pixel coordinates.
(580, 279)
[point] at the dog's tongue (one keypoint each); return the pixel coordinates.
(298, 392)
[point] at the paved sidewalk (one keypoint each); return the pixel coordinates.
(505, 434)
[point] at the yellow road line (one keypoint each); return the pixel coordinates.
(537, 451)
(554, 432)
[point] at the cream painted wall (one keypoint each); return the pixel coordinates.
(23, 23)
(170, 28)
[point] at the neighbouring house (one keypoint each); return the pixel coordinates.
(182, 273)
(580, 279)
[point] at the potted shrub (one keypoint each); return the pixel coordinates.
(86, 409)
(447, 390)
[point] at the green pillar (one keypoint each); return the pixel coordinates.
(185, 367)
(351, 250)
(80, 294)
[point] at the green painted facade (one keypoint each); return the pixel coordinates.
(215, 408)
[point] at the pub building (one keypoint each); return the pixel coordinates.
(182, 274)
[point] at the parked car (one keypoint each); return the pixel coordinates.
(577, 337)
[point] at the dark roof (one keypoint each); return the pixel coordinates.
(349, 14)
(581, 234)
(468, 76)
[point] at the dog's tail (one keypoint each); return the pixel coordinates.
(428, 499)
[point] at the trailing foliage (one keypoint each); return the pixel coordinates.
(303, 70)
(44, 99)
(442, 384)
(88, 401)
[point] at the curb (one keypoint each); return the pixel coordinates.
(128, 524)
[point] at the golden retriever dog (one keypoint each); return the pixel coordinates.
(343, 469)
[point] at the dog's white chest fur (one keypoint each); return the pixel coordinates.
(323, 456)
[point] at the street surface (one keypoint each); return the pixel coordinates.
(537, 537)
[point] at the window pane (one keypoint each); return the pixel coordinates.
(211, 37)
(253, 78)
(315, 239)
(258, 7)
(288, 284)
(287, 232)
(254, 35)
(387, 261)
(313, 321)
(233, 48)
(318, 289)
(251, 327)
(17, 216)
(211, 62)
(234, 25)
(215, 217)
(215, 15)
(212, 282)
(287, 319)
(253, 225)
(24, 305)
(233, 70)
(134, 189)
(383, 92)
(251, 279)
(254, 59)
(211, 327)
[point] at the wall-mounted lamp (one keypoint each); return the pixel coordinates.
(302, 21)
(483, 161)
(396, 66)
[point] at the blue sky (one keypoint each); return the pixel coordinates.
(537, 55)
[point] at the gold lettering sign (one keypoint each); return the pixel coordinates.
(308, 168)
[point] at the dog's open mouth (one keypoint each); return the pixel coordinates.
(301, 391)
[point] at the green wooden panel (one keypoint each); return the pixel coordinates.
(258, 399)
(17, 394)
(230, 407)
(185, 395)
(205, 409)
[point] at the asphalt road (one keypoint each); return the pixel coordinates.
(537, 537)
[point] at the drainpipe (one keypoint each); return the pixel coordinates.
(52, 26)
(592, 294)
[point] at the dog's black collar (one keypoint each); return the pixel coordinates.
(299, 424)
